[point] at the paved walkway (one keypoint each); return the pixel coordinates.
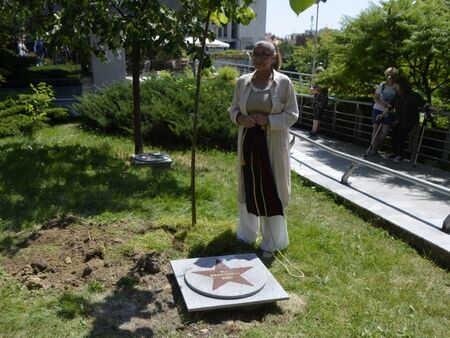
(416, 211)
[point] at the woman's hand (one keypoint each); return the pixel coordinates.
(261, 119)
(246, 121)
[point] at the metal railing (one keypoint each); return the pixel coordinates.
(303, 79)
(355, 161)
(352, 121)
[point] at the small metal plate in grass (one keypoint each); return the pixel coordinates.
(155, 160)
(217, 282)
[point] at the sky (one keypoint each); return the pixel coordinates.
(282, 21)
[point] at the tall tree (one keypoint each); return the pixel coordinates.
(19, 17)
(426, 56)
(302, 56)
(410, 35)
(145, 26)
(139, 26)
(203, 12)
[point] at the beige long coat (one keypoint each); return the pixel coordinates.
(283, 115)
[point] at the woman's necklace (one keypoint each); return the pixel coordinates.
(262, 81)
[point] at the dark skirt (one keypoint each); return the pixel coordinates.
(261, 195)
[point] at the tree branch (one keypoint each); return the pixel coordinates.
(440, 85)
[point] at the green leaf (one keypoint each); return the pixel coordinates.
(222, 18)
(299, 6)
(246, 16)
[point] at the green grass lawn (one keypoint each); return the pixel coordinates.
(359, 280)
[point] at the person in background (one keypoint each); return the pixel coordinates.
(22, 50)
(383, 104)
(407, 105)
(264, 106)
(39, 49)
(320, 103)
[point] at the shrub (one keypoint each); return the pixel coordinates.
(29, 112)
(167, 105)
(228, 73)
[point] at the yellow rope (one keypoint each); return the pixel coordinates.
(300, 275)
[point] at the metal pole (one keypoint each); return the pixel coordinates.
(424, 124)
(315, 39)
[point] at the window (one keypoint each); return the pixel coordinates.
(234, 30)
(225, 31)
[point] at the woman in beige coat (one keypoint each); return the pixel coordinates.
(264, 107)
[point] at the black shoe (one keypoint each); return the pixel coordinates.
(313, 135)
(267, 258)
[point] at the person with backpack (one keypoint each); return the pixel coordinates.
(382, 116)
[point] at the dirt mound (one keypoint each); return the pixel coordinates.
(61, 221)
(59, 258)
(141, 296)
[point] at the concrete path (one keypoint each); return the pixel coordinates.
(412, 210)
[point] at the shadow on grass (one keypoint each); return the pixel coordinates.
(127, 312)
(225, 243)
(40, 182)
(122, 313)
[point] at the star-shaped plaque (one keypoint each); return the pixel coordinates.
(222, 274)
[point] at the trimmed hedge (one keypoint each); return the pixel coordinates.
(167, 103)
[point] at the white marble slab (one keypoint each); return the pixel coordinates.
(216, 282)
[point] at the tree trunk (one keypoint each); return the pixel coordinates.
(195, 116)
(136, 56)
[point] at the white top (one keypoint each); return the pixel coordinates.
(259, 101)
(387, 94)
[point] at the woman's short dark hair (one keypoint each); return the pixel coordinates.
(403, 82)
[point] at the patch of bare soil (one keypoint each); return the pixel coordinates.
(140, 298)
(61, 258)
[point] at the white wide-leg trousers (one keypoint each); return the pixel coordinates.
(273, 228)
